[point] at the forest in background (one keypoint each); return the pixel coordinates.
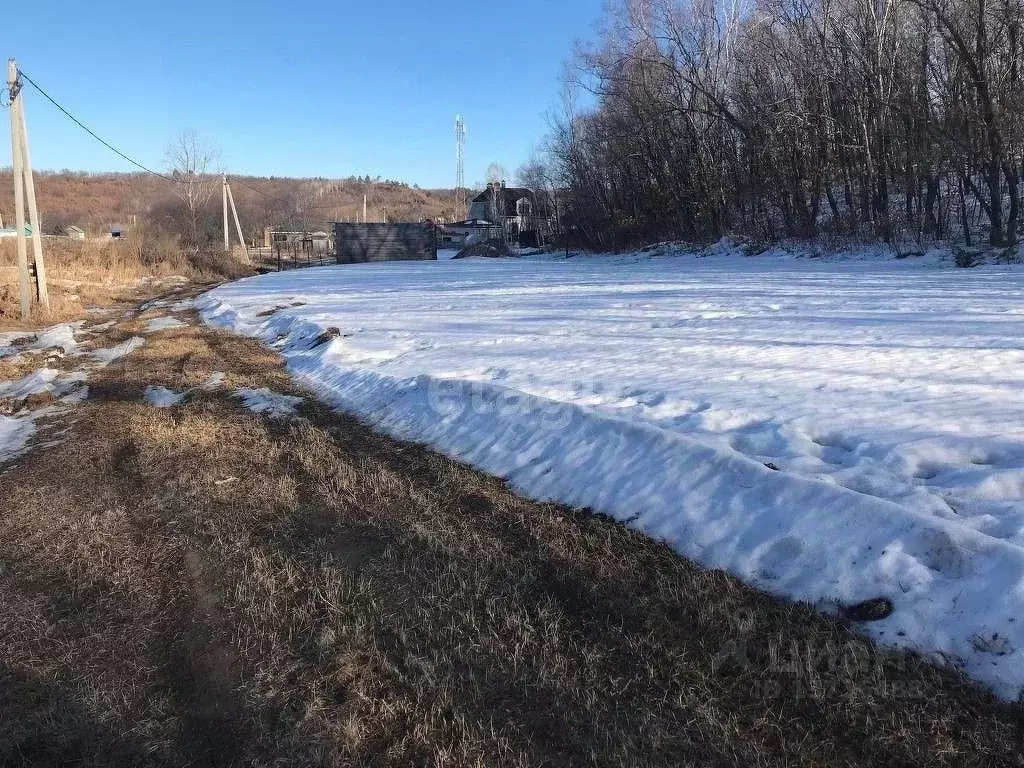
(892, 120)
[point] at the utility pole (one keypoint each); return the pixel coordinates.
(224, 194)
(42, 294)
(238, 227)
(19, 192)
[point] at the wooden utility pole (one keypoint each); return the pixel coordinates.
(238, 227)
(19, 192)
(224, 192)
(24, 186)
(33, 213)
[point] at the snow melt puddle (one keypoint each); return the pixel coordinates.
(832, 432)
(269, 403)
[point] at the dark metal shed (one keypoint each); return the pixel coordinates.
(359, 243)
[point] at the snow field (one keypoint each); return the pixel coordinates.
(831, 432)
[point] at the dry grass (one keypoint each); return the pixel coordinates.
(199, 586)
(83, 274)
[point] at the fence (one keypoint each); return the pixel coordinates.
(281, 256)
(353, 244)
(359, 243)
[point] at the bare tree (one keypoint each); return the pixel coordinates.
(783, 118)
(496, 173)
(192, 164)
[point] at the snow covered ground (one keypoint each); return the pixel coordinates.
(830, 431)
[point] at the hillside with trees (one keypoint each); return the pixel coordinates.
(98, 202)
(891, 120)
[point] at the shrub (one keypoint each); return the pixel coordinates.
(967, 258)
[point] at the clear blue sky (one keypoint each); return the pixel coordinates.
(297, 88)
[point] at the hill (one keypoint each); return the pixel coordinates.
(98, 201)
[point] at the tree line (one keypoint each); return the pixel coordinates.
(899, 120)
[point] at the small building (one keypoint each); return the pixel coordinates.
(469, 232)
(318, 240)
(13, 231)
(75, 233)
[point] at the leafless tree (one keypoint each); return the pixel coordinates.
(193, 165)
(496, 173)
(779, 118)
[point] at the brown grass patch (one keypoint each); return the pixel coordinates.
(200, 586)
(98, 273)
(16, 366)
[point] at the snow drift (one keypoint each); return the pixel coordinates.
(831, 432)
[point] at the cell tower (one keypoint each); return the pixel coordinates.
(460, 152)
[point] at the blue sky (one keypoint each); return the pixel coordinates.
(299, 88)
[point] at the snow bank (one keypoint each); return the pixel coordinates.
(827, 431)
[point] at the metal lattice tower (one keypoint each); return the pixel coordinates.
(460, 152)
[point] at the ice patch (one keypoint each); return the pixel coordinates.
(268, 402)
(216, 380)
(7, 342)
(164, 323)
(43, 380)
(14, 436)
(108, 355)
(162, 397)
(62, 336)
(76, 397)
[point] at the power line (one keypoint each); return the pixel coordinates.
(165, 177)
(288, 202)
(92, 133)
(260, 191)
